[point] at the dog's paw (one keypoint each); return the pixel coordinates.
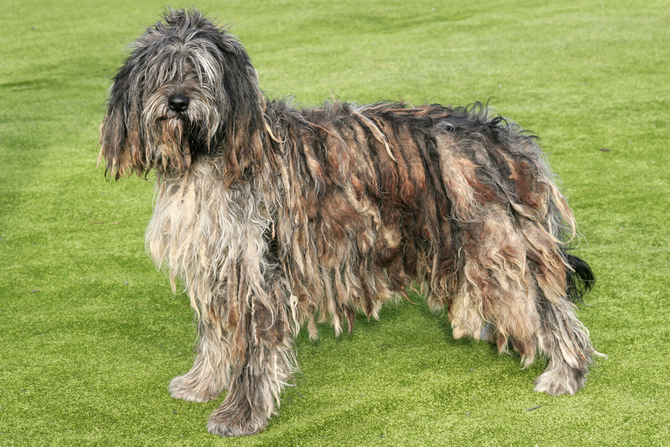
(557, 381)
(228, 421)
(194, 388)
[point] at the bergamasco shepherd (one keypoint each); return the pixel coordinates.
(275, 218)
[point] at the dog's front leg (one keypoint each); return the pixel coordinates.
(265, 365)
(210, 374)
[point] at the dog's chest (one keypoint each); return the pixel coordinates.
(200, 226)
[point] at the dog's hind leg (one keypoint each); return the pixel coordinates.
(514, 275)
(211, 370)
(566, 341)
(517, 280)
(562, 337)
(558, 278)
(494, 301)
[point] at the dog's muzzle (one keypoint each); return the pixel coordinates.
(178, 103)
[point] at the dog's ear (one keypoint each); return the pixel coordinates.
(244, 126)
(120, 135)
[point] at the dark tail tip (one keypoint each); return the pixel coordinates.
(580, 278)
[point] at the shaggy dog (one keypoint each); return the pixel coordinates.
(275, 218)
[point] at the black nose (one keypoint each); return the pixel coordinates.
(178, 103)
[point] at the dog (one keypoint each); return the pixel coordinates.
(275, 218)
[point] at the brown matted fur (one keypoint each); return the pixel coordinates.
(276, 218)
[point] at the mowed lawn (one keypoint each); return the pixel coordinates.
(90, 333)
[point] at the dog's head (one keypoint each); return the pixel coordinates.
(187, 89)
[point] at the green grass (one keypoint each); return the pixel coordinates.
(90, 334)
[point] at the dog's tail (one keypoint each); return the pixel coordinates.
(580, 278)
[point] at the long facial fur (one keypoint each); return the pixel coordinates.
(189, 55)
(275, 218)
